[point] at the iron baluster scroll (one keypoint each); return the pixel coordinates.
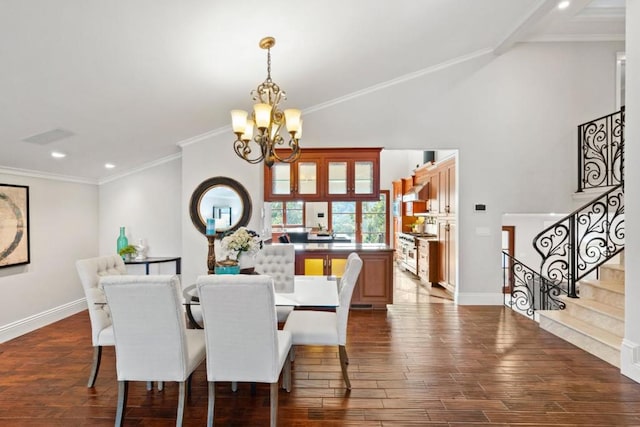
(601, 152)
(583, 240)
(527, 291)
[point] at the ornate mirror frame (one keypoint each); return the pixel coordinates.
(219, 181)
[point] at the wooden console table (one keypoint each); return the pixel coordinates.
(157, 260)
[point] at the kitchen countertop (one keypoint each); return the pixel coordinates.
(341, 247)
(430, 237)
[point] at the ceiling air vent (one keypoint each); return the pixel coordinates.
(49, 136)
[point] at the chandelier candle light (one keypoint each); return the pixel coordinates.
(269, 121)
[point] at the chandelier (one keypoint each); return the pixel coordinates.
(268, 120)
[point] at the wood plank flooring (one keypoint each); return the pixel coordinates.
(416, 364)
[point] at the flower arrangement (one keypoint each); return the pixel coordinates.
(241, 240)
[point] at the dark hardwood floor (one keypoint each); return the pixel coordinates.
(415, 364)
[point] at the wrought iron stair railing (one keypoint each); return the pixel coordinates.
(525, 290)
(601, 152)
(583, 240)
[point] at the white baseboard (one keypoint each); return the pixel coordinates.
(469, 298)
(630, 360)
(31, 323)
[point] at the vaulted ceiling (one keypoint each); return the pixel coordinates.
(126, 81)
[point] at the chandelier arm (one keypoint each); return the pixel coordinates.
(243, 150)
(295, 150)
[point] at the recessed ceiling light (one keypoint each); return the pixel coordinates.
(109, 165)
(564, 4)
(58, 155)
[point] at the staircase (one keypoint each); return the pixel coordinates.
(590, 240)
(595, 321)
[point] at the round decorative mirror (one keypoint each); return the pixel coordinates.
(223, 199)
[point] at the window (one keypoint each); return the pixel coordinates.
(286, 214)
(361, 222)
(343, 219)
(373, 227)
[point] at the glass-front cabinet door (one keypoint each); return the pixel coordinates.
(307, 181)
(363, 178)
(337, 178)
(281, 179)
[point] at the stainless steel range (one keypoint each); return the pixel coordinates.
(409, 250)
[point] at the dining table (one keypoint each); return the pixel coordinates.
(308, 292)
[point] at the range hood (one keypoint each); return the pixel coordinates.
(416, 193)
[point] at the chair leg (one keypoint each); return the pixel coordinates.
(292, 353)
(181, 398)
(97, 356)
(344, 360)
(286, 377)
(212, 396)
(234, 386)
(274, 404)
(123, 391)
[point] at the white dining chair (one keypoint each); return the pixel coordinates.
(90, 271)
(279, 262)
(151, 339)
(325, 328)
(243, 340)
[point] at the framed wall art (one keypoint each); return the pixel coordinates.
(14, 225)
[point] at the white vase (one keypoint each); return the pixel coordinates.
(246, 261)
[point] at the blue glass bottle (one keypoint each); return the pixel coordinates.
(122, 240)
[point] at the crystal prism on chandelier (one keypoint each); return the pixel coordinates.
(266, 122)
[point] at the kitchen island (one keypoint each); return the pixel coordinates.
(374, 288)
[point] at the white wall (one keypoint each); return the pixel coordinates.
(513, 119)
(631, 344)
(63, 225)
(311, 211)
(202, 160)
(527, 227)
(148, 203)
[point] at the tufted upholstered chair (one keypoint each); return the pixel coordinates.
(309, 327)
(242, 336)
(90, 271)
(151, 339)
(278, 261)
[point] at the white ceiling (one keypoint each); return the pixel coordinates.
(130, 79)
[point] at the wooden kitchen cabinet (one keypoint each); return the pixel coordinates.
(415, 207)
(321, 264)
(447, 187)
(294, 181)
(374, 288)
(428, 260)
(433, 180)
(440, 180)
(447, 254)
(375, 284)
(326, 174)
(352, 175)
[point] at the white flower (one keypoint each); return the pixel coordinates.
(241, 240)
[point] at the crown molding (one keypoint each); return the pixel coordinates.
(141, 168)
(399, 80)
(564, 38)
(46, 175)
(204, 136)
